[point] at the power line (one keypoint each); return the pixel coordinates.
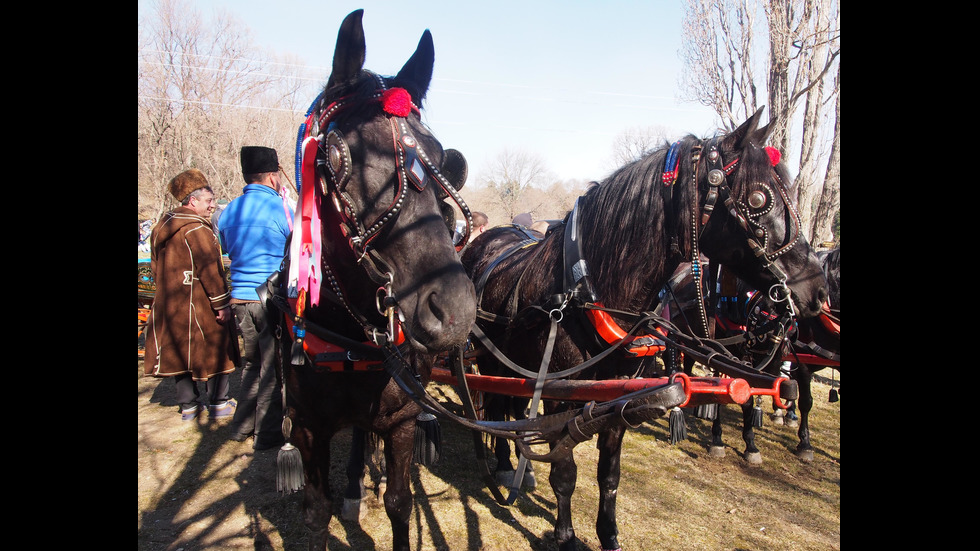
(549, 91)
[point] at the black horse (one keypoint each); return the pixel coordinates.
(725, 197)
(820, 337)
(393, 291)
(743, 318)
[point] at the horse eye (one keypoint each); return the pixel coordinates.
(757, 199)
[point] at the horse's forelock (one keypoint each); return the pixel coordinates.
(357, 90)
(754, 165)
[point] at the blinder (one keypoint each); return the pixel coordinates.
(338, 159)
(454, 169)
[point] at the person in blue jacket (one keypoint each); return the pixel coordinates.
(253, 229)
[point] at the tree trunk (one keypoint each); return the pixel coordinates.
(807, 179)
(829, 205)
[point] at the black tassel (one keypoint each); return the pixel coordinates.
(428, 439)
(757, 415)
(678, 428)
(706, 411)
(290, 476)
(834, 395)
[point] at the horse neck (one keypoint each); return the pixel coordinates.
(637, 231)
(629, 256)
(339, 259)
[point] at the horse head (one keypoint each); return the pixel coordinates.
(749, 222)
(386, 249)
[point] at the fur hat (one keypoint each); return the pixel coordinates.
(258, 160)
(186, 183)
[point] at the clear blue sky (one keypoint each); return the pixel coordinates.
(559, 79)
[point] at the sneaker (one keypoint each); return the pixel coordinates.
(189, 414)
(222, 410)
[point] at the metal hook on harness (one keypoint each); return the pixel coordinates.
(557, 314)
(384, 301)
(780, 293)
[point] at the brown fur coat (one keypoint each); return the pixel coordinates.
(183, 335)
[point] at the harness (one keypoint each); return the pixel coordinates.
(747, 210)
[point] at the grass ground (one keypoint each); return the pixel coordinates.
(199, 490)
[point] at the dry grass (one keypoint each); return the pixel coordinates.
(199, 490)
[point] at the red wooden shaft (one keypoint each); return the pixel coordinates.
(706, 389)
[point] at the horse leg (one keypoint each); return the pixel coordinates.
(804, 450)
(398, 444)
(317, 505)
(504, 472)
(379, 473)
(563, 475)
(752, 454)
(610, 445)
(792, 419)
(351, 509)
(717, 448)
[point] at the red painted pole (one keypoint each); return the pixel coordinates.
(700, 390)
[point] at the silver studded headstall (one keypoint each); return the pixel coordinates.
(412, 164)
(749, 206)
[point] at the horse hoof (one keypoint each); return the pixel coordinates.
(504, 478)
(753, 458)
(792, 423)
(351, 510)
(805, 456)
(777, 420)
(529, 483)
(716, 452)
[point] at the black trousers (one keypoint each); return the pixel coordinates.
(259, 409)
(188, 394)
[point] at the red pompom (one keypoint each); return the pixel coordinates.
(774, 155)
(397, 102)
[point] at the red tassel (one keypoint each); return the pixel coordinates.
(397, 102)
(774, 155)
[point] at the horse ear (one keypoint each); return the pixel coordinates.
(348, 56)
(417, 71)
(748, 131)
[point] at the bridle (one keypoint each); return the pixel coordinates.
(325, 159)
(747, 208)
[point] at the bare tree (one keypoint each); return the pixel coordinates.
(799, 44)
(633, 143)
(717, 51)
(508, 178)
(203, 92)
(828, 208)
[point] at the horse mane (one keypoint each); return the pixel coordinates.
(626, 238)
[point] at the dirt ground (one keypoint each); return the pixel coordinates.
(197, 489)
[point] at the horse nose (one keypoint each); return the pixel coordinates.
(812, 306)
(446, 313)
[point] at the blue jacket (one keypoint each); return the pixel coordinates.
(253, 229)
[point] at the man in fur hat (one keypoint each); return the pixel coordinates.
(190, 335)
(253, 230)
